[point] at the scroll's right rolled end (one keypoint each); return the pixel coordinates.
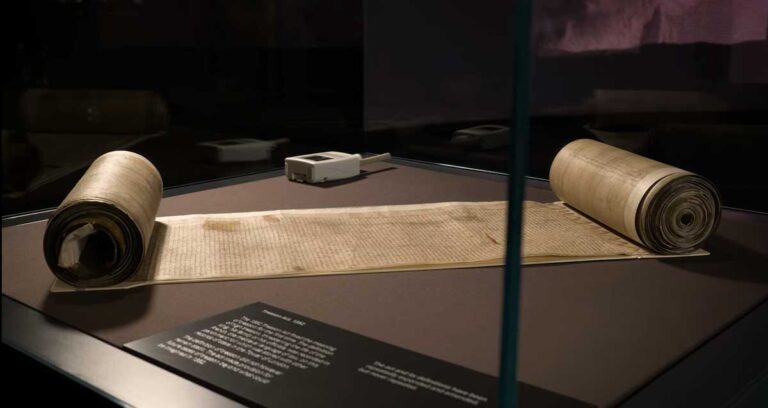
(679, 214)
(666, 209)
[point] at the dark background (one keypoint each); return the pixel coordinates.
(373, 76)
(434, 67)
(216, 70)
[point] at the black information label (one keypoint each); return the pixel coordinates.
(266, 356)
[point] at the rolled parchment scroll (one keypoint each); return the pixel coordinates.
(101, 231)
(663, 208)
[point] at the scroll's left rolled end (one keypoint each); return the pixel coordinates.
(99, 234)
(92, 245)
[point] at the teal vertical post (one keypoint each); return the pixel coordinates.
(518, 165)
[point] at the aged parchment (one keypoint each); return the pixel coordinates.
(129, 247)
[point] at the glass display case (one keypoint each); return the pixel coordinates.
(567, 211)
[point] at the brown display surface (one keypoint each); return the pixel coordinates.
(593, 331)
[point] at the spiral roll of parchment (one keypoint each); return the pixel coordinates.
(665, 209)
(99, 234)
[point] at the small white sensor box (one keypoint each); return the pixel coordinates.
(327, 166)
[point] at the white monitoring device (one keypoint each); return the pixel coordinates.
(327, 166)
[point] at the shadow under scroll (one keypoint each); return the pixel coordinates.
(728, 259)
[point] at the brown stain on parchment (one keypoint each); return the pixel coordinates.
(494, 240)
(221, 225)
(271, 218)
(467, 218)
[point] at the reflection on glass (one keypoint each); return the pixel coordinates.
(204, 89)
(675, 81)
